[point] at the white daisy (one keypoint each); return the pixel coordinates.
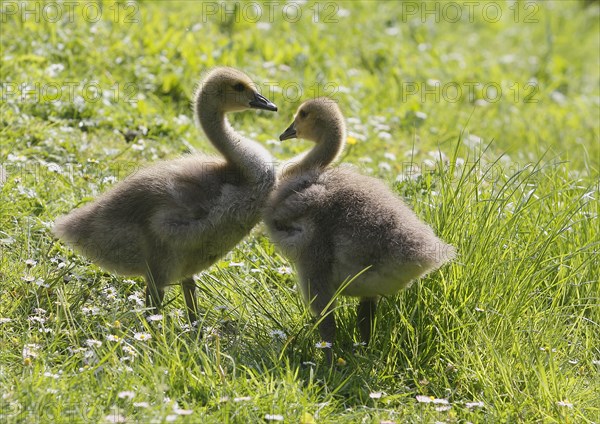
(142, 336)
(141, 404)
(471, 405)
(126, 395)
(90, 310)
(284, 270)
(30, 350)
(278, 334)
(564, 403)
(155, 317)
(424, 399)
(49, 374)
(115, 418)
(129, 349)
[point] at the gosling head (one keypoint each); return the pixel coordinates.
(316, 119)
(232, 90)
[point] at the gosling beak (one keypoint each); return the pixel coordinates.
(261, 102)
(289, 133)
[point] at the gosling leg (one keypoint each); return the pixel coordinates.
(365, 317)
(327, 330)
(154, 294)
(327, 327)
(189, 293)
(318, 291)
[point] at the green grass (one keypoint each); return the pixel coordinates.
(514, 184)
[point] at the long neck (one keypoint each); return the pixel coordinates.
(327, 148)
(249, 157)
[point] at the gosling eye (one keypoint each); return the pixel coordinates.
(239, 87)
(303, 114)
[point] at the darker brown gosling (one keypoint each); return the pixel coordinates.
(334, 223)
(175, 218)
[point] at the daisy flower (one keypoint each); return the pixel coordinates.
(115, 418)
(155, 317)
(30, 350)
(424, 399)
(278, 334)
(564, 403)
(54, 376)
(284, 270)
(126, 395)
(90, 310)
(472, 405)
(142, 336)
(179, 411)
(141, 404)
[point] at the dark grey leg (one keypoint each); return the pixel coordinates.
(189, 293)
(365, 317)
(318, 290)
(327, 329)
(154, 294)
(326, 317)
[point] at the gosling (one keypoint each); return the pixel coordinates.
(344, 232)
(171, 220)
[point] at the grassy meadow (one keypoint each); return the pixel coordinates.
(484, 118)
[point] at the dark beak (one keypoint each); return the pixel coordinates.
(261, 102)
(289, 133)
